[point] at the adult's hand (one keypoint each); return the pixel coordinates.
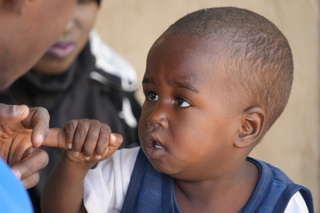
(21, 130)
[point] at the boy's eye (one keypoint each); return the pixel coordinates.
(151, 96)
(183, 103)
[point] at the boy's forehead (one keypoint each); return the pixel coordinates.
(187, 53)
(207, 47)
(187, 60)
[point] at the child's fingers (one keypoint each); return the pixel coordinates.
(114, 142)
(97, 136)
(77, 131)
(89, 137)
(70, 129)
(103, 141)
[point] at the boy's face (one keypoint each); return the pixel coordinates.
(27, 30)
(63, 52)
(188, 122)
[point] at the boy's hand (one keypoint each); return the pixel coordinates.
(86, 140)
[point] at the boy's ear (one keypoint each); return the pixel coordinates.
(252, 123)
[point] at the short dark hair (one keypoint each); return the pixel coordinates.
(256, 52)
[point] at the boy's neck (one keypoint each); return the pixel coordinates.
(223, 195)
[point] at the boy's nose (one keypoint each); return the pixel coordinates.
(158, 117)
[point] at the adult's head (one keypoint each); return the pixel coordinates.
(59, 57)
(28, 28)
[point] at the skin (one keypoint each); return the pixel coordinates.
(23, 128)
(87, 142)
(191, 128)
(22, 17)
(75, 33)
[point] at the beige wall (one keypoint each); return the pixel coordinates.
(131, 26)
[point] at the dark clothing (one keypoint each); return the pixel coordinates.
(150, 191)
(76, 94)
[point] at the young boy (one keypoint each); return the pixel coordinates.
(215, 82)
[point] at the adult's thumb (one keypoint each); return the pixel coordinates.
(13, 113)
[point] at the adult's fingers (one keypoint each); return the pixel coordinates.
(31, 180)
(27, 169)
(55, 138)
(13, 113)
(38, 120)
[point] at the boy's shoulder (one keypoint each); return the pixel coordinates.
(274, 189)
(267, 171)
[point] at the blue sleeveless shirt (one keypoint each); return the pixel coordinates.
(150, 191)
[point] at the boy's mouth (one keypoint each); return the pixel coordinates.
(154, 148)
(155, 144)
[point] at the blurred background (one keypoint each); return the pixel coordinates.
(293, 143)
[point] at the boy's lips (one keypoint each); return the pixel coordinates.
(154, 148)
(61, 49)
